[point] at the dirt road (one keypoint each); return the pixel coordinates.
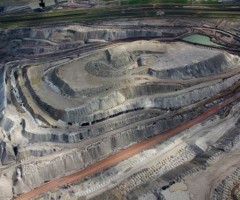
(127, 153)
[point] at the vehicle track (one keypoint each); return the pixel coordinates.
(127, 153)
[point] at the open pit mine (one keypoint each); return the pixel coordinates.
(121, 110)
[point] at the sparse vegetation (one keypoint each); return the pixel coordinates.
(62, 16)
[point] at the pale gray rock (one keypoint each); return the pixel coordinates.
(7, 154)
(2, 95)
(7, 124)
(5, 188)
(19, 186)
(213, 65)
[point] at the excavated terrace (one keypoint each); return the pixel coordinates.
(77, 94)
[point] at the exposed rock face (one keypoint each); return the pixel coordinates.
(229, 187)
(93, 94)
(2, 96)
(48, 40)
(149, 130)
(100, 34)
(195, 70)
(92, 110)
(34, 175)
(62, 86)
(7, 155)
(19, 186)
(169, 102)
(169, 172)
(236, 192)
(7, 124)
(5, 188)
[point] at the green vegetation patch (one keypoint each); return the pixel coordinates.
(36, 19)
(169, 2)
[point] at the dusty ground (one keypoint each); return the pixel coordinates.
(84, 102)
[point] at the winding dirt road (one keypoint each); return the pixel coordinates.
(127, 153)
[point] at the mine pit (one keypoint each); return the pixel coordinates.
(120, 110)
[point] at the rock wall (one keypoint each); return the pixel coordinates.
(7, 155)
(133, 133)
(157, 177)
(228, 188)
(211, 66)
(35, 174)
(58, 82)
(50, 40)
(86, 112)
(2, 90)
